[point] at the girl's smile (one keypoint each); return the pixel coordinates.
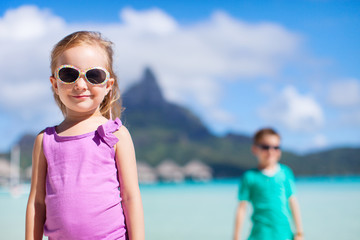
(82, 96)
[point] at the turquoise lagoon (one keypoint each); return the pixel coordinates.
(330, 210)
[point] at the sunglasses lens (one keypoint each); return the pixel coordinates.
(96, 76)
(68, 75)
(267, 147)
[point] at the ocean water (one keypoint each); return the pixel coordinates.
(330, 210)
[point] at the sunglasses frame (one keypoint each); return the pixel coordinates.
(265, 147)
(82, 73)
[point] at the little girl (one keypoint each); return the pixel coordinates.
(84, 181)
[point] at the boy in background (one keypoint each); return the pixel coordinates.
(270, 190)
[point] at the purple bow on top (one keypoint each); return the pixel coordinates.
(106, 131)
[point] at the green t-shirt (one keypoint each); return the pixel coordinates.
(269, 198)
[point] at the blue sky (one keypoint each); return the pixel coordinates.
(239, 65)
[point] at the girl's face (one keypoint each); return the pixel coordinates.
(82, 97)
(267, 151)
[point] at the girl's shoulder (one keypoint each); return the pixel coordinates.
(40, 135)
(122, 133)
(124, 142)
(38, 142)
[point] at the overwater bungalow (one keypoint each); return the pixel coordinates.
(169, 171)
(198, 171)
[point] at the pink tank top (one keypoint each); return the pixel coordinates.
(82, 188)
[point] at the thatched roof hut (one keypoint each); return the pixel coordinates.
(169, 171)
(198, 170)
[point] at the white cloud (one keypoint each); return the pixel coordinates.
(345, 93)
(294, 111)
(28, 23)
(152, 21)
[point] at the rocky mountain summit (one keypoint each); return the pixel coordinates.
(145, 107)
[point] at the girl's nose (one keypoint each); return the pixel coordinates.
(81, 83)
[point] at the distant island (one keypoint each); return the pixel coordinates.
(165, 132)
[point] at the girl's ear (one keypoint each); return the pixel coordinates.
(109, 85)
(54, 84)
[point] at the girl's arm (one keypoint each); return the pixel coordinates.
(129, 186)
(36, 209)
(295, 210)
(239, 220)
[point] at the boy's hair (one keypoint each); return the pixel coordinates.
(111, 105)
(262, 132)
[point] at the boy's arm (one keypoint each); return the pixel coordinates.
(295, 210)
(129, 186)
(239, 220)
(36, 209)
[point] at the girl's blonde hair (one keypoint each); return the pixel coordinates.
(111, 105)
